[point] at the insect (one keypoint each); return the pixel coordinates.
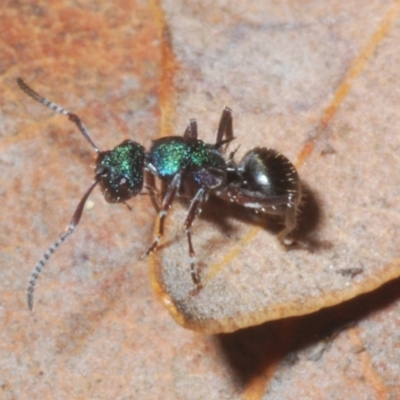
(263, 180)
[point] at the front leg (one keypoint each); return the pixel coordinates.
(150, 186)
(168, 199)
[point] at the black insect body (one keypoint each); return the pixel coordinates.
(265, 181)
(119, 172)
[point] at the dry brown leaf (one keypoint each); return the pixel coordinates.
(97, 330)
(312, 90)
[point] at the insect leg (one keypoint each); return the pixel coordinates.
(290, 224)
(225, 127)
(191, 130)
(166, 204)
(194, 210)
(150, 185)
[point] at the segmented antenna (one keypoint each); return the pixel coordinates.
(78, 212)
(72, 117)
(42, 262)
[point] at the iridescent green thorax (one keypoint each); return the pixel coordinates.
(172, 155)
(121, 171)
(169, 156)
(203, 155)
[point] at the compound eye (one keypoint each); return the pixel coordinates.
(117, 190)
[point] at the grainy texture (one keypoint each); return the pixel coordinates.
(97, 330)
(308, 86)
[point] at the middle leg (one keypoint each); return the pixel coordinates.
(168, 199)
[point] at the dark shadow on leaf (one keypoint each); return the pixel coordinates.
(249, 352)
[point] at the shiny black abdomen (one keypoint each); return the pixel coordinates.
(266, 172)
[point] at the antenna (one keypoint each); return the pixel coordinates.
(78, 212)
(69, 230)
(72, 117)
